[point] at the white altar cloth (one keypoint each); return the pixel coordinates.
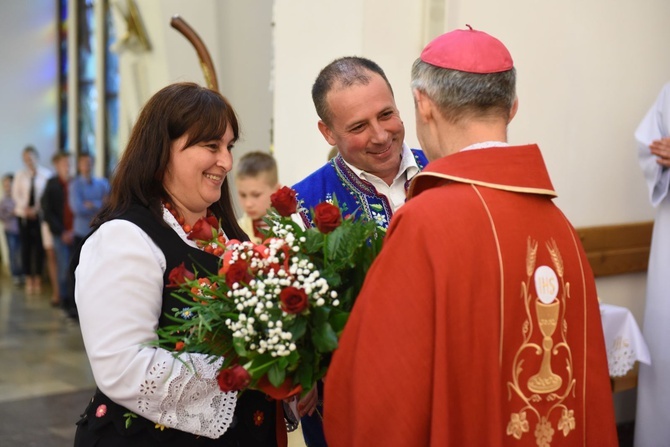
(623, 340)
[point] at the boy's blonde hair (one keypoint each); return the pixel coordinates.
(254, 164)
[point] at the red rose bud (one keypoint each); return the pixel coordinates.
(179, 275)
(202, 229)
(179, 346)
(213, 221)
(284, 201)
(238, 272)
(234, 378)
(327, 217)
(293, 300)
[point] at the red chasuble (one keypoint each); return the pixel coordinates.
(478, 324)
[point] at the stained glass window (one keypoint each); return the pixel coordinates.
(112, 81)
(63, 141)
(89, 96)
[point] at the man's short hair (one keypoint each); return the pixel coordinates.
(460, 94)
(342, 72)
(254, 164)
(31, 149)
(58, 155)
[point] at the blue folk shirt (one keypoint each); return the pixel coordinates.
(354, 194)
(81, 190)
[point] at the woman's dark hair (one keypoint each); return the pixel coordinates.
(176, 110)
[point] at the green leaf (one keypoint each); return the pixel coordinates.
(338, 318)
(129, 418)
(304, 375)
(298, 328)
(261, 364)
(324, 338)
(313, 240)
(239, 345)
(276, 375)
(320, 315)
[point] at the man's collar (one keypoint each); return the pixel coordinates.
(407, 163)
(485, 144)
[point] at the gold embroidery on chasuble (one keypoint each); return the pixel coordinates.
(539, 388)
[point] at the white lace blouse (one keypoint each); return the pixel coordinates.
(119, 290)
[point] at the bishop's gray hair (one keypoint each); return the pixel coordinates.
(459, 94)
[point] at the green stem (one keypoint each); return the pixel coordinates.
(259, 367)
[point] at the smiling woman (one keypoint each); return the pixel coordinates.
(171, 178)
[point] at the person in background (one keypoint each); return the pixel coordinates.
(50, 259)
(27, 190)
(57, 214)
(478, 323)
(87, 195)
(256, 179)
(368, 175)
(11, 225)
(172, 174)
(652, 420)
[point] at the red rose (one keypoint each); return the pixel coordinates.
(179, 275)
(293, 300)
(284, 201)
(204, 229)
(234, 378)
(238, 272)
(327, 217)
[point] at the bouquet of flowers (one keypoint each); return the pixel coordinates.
(274, 311)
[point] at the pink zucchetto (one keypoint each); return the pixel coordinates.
(468, 50)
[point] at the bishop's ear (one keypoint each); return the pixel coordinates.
(513, 110)
(423, 105)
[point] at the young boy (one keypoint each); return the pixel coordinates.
(256, 180)
(11, 223)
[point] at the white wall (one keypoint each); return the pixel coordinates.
(28, 85)
(238, 37)
(29, 81)
(309, 35)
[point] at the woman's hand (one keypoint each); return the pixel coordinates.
(661, 149)
(307, 404)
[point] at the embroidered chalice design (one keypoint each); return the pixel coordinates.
(546, 309)
(543, 399)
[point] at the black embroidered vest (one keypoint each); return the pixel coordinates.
(255, 414)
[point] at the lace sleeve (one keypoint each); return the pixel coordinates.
(191, 402)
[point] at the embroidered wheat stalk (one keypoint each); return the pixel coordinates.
(531, 256)
(555, 256)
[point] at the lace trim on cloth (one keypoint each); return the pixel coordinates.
(620, 357)
(194, 403)
(150, 385)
